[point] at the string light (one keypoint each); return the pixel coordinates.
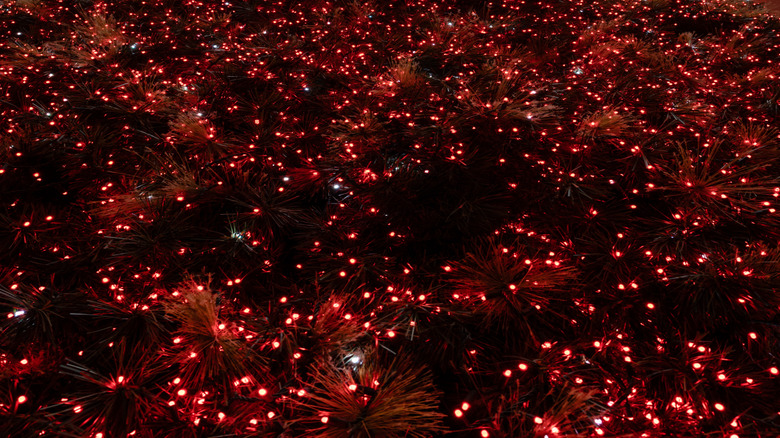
(584, 189)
